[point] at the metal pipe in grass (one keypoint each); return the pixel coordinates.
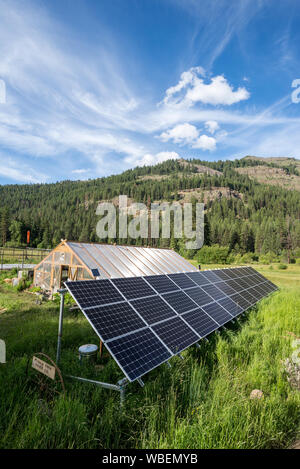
(120, 387)
(60, 325)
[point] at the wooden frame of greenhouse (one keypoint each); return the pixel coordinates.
(88, 261)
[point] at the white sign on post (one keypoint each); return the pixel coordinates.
(43, 367)
(2, 351)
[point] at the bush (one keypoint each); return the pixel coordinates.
(248, 258)
(69, 301)
(23, 284)
(282, 266)
(35, 289)
(213, 254)
(268, 258)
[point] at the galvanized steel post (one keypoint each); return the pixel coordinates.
(60, 325)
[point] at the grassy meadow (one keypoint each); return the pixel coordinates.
(200, 402)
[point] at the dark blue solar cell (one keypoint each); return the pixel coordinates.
(199, 296)
(89, 293)
(180, 302)
(133, 287)
(161, 283)
(153, 309)
(213, 291)
(198, 278)
(230, 306)
(216, 312)
(211, 276)
(200, 322)
(114, 320)
(182, 280)
(176, 334)
(138, 353)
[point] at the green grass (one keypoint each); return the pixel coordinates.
(201, 402)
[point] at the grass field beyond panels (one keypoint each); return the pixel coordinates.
(201, 402)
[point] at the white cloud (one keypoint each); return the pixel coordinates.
(181, 133)
(186, 78)
(80, 171)
(150, 159)
(218, 91)
(187, 134)
(212, 126)
(205, 143)
(63, 104)
(191, 89)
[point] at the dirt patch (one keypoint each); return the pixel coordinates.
(272, 176)
(200, 168)
(214, 193)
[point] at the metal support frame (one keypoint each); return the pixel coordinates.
(120, 387)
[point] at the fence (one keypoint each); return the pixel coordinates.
(21, 256)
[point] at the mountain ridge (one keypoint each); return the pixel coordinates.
(242, 212)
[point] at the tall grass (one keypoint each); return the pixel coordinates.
(201, 402)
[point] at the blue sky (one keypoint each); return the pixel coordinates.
(90, 88)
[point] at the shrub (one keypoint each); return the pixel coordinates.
(268, 258)
(23, 284)
(35, 289)
(213, 254)
(282, 266)
(248, 258)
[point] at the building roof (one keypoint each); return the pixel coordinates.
(114, 261)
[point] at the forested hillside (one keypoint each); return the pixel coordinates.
(241, 213)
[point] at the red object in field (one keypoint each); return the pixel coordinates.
(28, 237)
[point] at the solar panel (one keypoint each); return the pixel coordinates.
(133, 287)
(143, 321)
(176, 334)
(199, 296)
(213, 291)
(234, 285)
(225, 288)
(138, 353)
(232, 273)
(153, 309)
(182, 280)
(180, 302)
(201, 322)
(230, 306)
(95, 272)
(96, 293)
(216, 312)
(241, 301)
(161, 283)
(211, 276)
(114, 320)
(222, 274)
(198, 278)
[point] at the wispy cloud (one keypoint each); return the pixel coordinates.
(73, 107)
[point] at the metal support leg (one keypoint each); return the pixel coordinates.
(60, 325)
(122, 386)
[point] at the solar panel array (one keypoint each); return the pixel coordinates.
(144, 321)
